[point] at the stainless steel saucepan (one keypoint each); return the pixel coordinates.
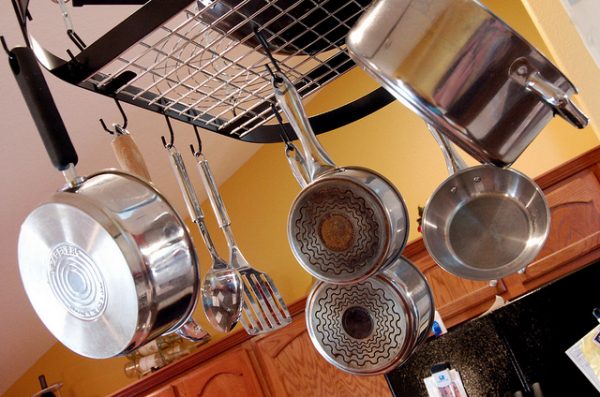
(484, 222)
(373, 326)
(346, 222)
(465, 72)
(107, 263)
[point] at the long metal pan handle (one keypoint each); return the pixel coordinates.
(185, 184)
(42, 107)
(523, 72)
(216, 201)
(454, 162)
(129, 155)
(297, 164)
(317, 160)
(191, 198)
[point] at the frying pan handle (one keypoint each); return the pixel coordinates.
(128, 154)
(523, 72)
(454, 162)
(317, 159)
(297, 164)
(42, 107)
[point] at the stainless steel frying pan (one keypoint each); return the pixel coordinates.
(346, 222)
(371, 327)
(484, 222)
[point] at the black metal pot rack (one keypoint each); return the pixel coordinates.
(177, 58)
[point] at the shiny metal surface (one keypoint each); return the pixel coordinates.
(413, 285)
(222, 286)
(465, 72)
(373, 326)
(108, 265)
(484, 222)
(263, 308)
(346, 222)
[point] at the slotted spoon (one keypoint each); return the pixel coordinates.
(263, 308)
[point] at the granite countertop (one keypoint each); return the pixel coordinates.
(519, 344)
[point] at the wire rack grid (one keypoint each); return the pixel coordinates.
(210, 70)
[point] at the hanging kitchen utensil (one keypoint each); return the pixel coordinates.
(222, 286)
(293, 27)
(346, 222)
(263, 308)
(106, 263)
(484, 222)
(373, 326)
(465, 72)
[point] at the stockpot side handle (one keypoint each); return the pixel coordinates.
(454, 162)
(523, 72)
(42, 107)
(297, 164)
(317, 160)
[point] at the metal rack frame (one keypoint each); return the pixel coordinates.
(170, 58)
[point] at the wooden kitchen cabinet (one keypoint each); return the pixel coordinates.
(574, 238)
(293, 368)
(456, 299)
(231, 374)
(285, 363)
(168, 391)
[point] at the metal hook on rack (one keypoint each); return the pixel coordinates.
(5, 46)
(118, 127)
(265, 46)
(199, 151)
(172, 135)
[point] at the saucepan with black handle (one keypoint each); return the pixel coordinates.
(106, 262)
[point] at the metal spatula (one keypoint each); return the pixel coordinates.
(263, 308)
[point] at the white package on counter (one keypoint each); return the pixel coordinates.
(586, 355)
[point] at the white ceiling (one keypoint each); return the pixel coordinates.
(28, 177)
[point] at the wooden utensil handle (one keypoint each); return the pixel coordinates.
(129, 156)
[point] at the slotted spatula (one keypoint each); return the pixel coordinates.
(263, 308)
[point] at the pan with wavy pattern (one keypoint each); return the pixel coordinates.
(351, 249)
(375, 353)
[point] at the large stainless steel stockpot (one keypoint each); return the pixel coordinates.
(373, 326)
(347, 222)
(465, 72)
(107, 263)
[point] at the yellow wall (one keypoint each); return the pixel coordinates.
(392, 141)
(569, 51)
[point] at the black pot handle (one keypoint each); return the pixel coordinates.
(41, 105)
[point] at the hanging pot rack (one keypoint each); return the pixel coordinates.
(175, 57)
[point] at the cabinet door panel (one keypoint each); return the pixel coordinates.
(229, 375)
(293, 368)
(456, 299)
(164, 392)
(574, 232)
